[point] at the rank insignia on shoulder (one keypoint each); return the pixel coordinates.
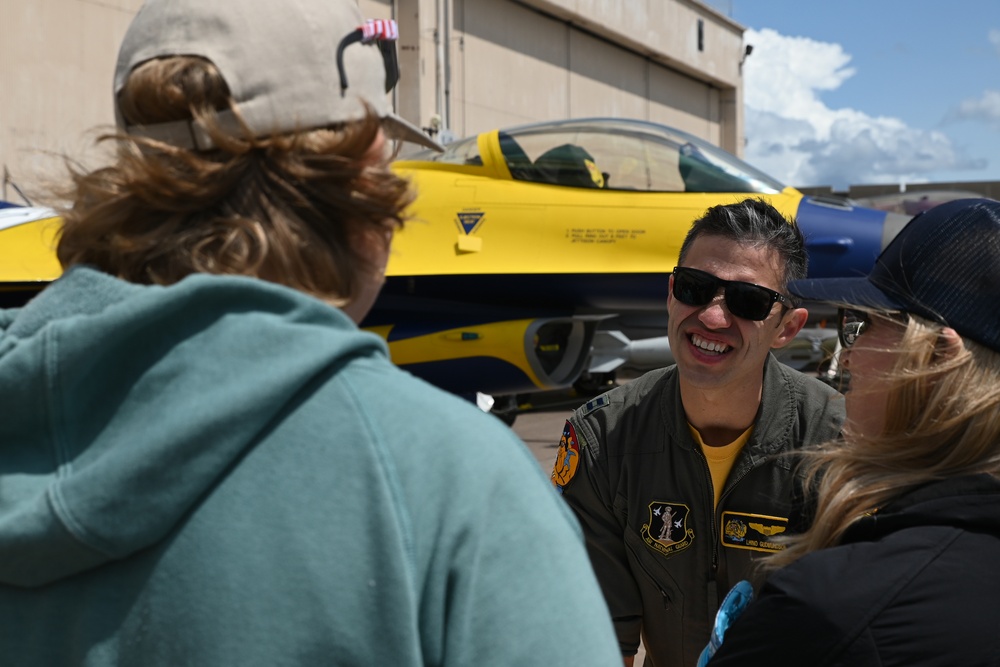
(567, 458)
(596, 403)
(667, 531)
(755, 532)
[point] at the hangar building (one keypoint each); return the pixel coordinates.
(467, 66)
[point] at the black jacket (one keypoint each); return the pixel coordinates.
(639, 468)
(917, 583)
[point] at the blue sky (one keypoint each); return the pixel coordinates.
(873, 91)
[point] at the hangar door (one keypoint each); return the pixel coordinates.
(512, 65)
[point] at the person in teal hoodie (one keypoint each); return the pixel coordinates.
(204, 460)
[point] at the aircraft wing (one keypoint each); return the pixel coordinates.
(27, 252)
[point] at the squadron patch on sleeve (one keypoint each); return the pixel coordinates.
(567, 459)
(755, 532)
(667, 531)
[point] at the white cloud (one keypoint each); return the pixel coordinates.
(994, 37)
(793, 135)
(783, 74)
(985, 108)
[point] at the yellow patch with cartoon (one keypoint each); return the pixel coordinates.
(756, 532)
(567, 459)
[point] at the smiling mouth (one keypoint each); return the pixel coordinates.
(709, 347)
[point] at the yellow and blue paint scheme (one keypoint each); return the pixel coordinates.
(524, 244)
(571, 219)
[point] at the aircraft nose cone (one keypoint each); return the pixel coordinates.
(842, 238)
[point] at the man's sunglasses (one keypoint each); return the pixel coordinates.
(746, 300)
(384, 33)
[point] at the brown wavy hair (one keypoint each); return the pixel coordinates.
(942, 420)
(290, 209)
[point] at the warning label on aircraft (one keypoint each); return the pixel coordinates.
(470, 221)
(603, 235)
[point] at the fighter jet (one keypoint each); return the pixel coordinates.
(27, 258)
(537, 257)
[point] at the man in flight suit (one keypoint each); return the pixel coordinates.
(679, 479)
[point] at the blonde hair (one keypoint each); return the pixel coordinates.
(293, 209)
(942, 420)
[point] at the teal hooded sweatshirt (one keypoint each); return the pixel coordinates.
(229, 472)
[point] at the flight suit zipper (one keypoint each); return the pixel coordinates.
(712, 583)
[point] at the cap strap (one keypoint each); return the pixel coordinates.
(185, 133)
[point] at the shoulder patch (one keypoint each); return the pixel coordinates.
(595, 404)
(567, 458)
(755, 532)
(667, 531)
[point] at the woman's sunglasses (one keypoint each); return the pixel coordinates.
(852, 323)
(746, 300)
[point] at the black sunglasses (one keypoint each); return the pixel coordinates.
(852, 323)
(746, 300)
(384, 33)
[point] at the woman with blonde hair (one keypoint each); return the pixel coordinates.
(899, 564)
(203, 459)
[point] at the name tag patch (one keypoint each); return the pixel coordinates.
(755, 532)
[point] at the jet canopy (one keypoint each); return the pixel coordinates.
(614, 154)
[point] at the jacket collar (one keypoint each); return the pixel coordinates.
(772, 426)
(968, 502)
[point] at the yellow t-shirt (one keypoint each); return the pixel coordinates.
(721, 459)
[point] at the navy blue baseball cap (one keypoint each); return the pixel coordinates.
(944, 265)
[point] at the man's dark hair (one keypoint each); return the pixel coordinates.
(754, 222)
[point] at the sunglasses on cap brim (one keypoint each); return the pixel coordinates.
(745, 300)
(381, 32)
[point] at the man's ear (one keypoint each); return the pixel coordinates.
(789, 327)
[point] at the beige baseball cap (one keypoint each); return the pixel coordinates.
(289, 64)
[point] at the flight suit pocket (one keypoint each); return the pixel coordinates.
(658, 577)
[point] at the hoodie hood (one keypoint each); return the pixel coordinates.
(125, 404)
(967, 502)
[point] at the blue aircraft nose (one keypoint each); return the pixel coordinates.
(842, 238)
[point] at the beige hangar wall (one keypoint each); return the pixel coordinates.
(56, 65)
(479, 64)
(467, 66)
